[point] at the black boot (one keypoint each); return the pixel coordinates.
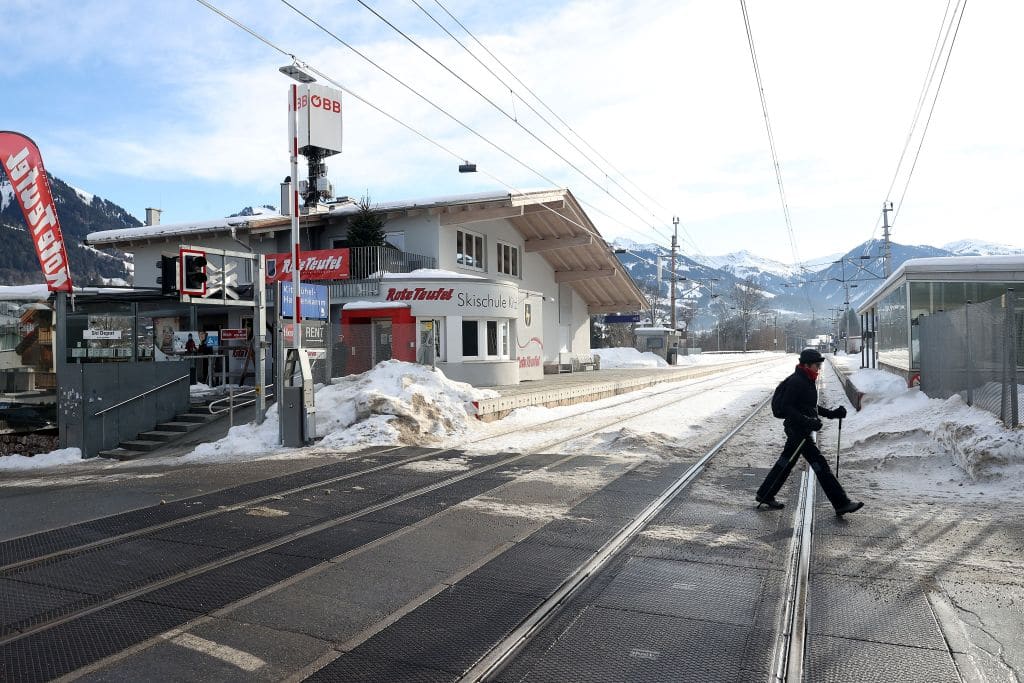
(851, 506)
(770, 502)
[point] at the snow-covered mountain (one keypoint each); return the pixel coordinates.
(980, 248)
(743, 263)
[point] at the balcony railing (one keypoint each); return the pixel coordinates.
(368, 265)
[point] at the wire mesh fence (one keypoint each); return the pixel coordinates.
(977, 353)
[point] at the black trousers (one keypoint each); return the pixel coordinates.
(784, 465)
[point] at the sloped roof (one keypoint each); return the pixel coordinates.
(551, 222)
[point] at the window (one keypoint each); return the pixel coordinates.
(470, 343)
(492, 337)
(469, 249)
(508, 259)
(485, 339)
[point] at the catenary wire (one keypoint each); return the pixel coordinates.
(544, 104)
(933, 62)
(388, 115)
(491, 102)
(935, 99)
(516, 95)
(771, 145)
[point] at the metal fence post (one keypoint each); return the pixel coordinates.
(1011, 354)
(967, 353)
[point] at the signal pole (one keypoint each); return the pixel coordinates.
(675, 234)
(886, 251)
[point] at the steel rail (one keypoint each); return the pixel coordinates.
(316, 528)
(503, 653)
(142, 531)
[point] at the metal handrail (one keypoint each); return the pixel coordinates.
(144, 393)
(230, 410)
(232, 396)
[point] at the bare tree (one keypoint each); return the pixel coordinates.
(748, 300)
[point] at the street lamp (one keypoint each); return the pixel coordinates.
(675, 233)
(296, 72)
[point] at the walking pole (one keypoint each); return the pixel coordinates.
(839, 440)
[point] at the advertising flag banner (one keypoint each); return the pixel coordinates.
(23, 166)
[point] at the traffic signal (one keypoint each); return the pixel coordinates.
(168, 277)
(193, 272)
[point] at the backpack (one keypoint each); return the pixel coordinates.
(778, 409)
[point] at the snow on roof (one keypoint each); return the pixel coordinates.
(24, 293)
(430, 274)
(169, 229)
(426, 202)
(1012, 266)
(363, 305)
(254, 221)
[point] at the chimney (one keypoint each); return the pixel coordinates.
(153, 216)
(286, 196)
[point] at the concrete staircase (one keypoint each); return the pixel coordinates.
(163, 434)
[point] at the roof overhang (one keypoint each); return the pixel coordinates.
(551, 222)
(949, 269)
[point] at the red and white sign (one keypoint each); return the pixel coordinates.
(322, 264)
(228, 334)
(24, 168)
(319, 118)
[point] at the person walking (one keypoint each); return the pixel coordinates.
(797, 403)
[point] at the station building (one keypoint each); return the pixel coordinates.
(890, 317)
(489, 287)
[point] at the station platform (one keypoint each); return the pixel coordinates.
(592, 385)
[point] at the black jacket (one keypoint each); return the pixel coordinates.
(800, 405)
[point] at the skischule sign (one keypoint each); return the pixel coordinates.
(498, 299)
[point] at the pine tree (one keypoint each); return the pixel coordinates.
(366, 228)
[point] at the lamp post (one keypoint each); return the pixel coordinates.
(297, 73)
(675, 233)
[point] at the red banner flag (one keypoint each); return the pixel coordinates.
(24, 168)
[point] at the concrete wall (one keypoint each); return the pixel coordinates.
(482, 373)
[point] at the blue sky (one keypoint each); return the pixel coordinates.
(166, 104)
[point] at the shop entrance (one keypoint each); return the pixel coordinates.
(381, 340)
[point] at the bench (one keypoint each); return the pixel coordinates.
(586, 361)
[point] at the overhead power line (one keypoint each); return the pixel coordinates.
(771, 144)
(946, 36)
(549, 109)
(488, 100)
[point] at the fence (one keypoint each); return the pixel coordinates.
(976, 352)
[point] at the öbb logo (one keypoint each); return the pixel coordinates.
(318, 102)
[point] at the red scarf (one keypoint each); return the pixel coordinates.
(810, 372)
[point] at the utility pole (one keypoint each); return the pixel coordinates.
(675, 234)
(886, 250)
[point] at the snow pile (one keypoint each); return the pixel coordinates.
(897, 424)
(629, 358)
(62, 456)
(395, 402)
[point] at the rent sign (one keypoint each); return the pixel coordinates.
(24, 168)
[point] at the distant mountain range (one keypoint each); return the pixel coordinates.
(799, 291)
(80, 213)
(792, 290)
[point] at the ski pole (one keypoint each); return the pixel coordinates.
(839, 441)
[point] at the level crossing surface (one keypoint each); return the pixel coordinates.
(371, 568)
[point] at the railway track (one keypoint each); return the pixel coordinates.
(54, 585)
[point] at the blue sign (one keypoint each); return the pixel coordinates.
(314, 300)
(628, 318)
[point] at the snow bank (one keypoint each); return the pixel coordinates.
(395, 402)
(905, 422)
(62, 456)
(629, 358)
